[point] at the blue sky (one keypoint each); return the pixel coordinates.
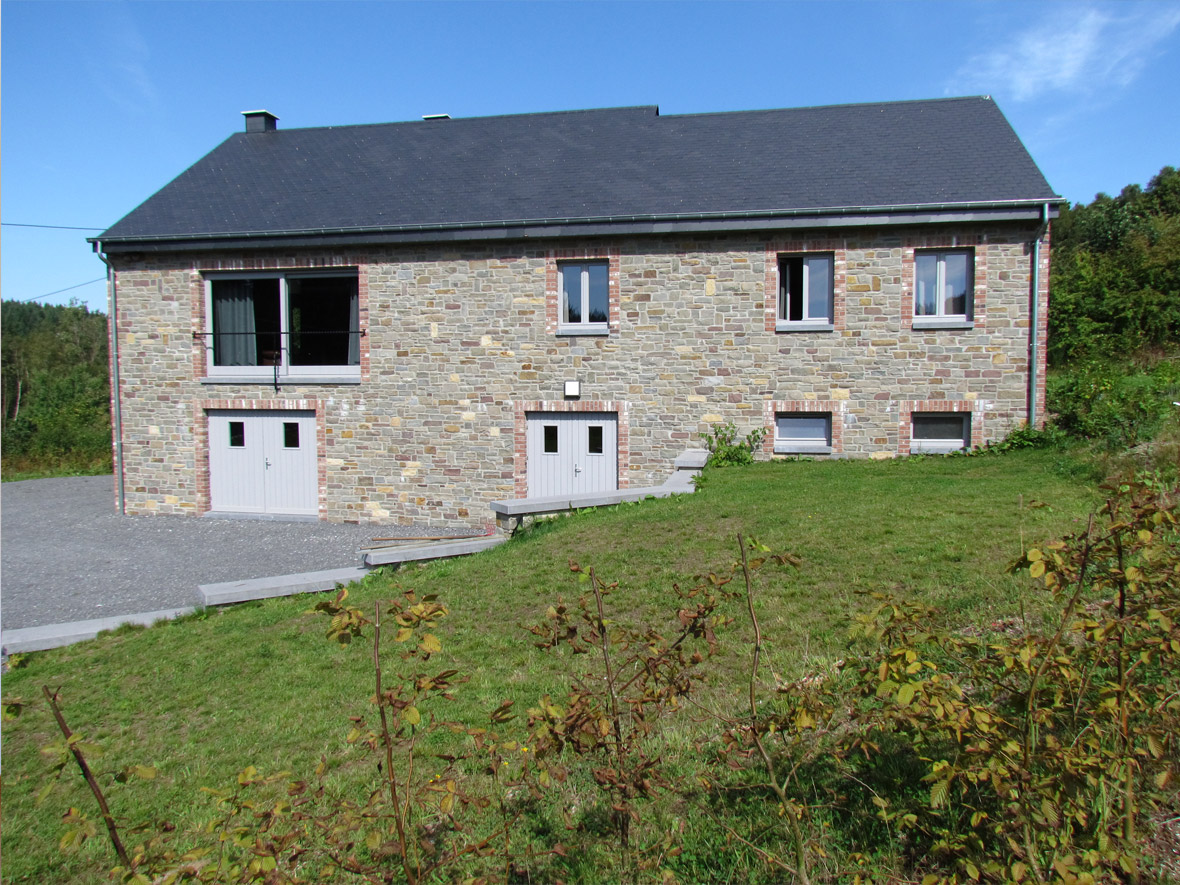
(105, 102)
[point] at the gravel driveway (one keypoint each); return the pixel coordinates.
(68, 556)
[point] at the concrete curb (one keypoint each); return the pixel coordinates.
(279, 585)
(57, 635)
(437, 550)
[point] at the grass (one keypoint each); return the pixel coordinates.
(15, 468)
(257, 684)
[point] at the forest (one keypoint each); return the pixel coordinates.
(56, 391)
(1114, 343)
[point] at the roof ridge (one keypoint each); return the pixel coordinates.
(651, 108)
(823, 107)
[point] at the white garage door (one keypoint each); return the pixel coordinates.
(572, 453)
(262, 462)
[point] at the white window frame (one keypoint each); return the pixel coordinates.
(584, 326)
(786, 445)
(940, 446)
(808, 323)
(284, 371)
(940, 319)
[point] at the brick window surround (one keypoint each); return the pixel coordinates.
(520, 409)
(801, 247)
(771, 409)
(328, 264)
(977, 245)
(907, 408)
(609, 254)
(201, 439)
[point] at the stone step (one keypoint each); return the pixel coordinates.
(27, 639)
(430, 550)
(279, 585)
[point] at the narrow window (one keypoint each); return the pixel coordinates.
(585, 296)
(291, 434)
(936, 432)
(806, 290)
(594, 442)
(237, 434)
(550, 439)
(943, 285)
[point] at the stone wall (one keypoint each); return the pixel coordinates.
(459, 339)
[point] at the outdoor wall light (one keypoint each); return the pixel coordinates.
(573, 389)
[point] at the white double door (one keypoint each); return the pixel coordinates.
(263, 462)
(572, 453)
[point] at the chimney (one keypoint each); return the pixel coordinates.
(260, 121)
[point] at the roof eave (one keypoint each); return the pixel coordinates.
(784, 219)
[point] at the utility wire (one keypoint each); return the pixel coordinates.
(50, 226)
(59, 291)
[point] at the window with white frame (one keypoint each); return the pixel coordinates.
(940, 432)
(803, 432)
(944, 286)
(585, 297)
(284, 324)
(805, 292)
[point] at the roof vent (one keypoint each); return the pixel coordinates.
(260, 121)
(436, 116)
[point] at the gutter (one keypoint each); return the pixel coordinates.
(1020, 209)
(1034, 349)
(116, 388)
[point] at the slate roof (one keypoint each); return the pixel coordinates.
(606, 167)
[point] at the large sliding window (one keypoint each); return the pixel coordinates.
(284, 325)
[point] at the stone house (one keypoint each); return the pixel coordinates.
(405, 322)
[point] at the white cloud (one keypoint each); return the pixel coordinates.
(1077, 48)
(121, 64)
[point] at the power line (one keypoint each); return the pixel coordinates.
(50, 226)
(59, 291)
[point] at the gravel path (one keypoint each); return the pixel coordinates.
(68, 556)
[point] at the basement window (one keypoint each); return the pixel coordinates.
(803, 433)
(940, 433)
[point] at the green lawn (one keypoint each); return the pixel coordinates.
(259, 684)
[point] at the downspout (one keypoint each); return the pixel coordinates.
(116, 390)
(1034, 348)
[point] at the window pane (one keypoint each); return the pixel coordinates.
(322, 321)
(814, 429)
(237, 434)
(925, 285)
(790, 272)
(245, 322)
(291, 434)
(940, 427)
(550, 439)
(599, 293)
(819, 288)
(571, 293)
(956, 283)
(594, 443)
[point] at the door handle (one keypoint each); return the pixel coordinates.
(577, 470)
(267, 460)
